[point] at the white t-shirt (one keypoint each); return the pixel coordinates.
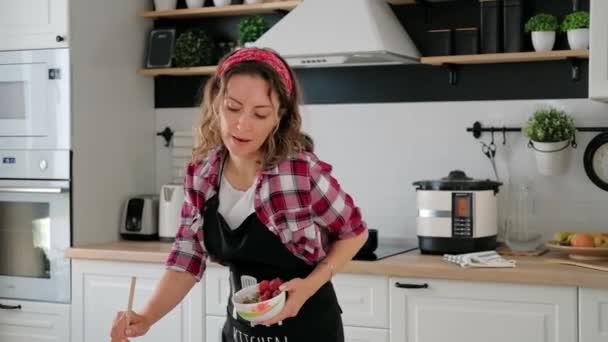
(235, 205)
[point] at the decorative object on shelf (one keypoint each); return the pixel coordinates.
(466, 41)
(161, 47)
(193, 48)
(513, 26)
(438, 42)
(220, 3)
(551, 132)
(543, 27)
(595, 160)
(195, 3)
(491, 25)
(576, 26)
(251, 2)
(251, 28)
(164, 5)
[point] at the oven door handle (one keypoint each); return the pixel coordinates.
(10, 307)
(34, 190)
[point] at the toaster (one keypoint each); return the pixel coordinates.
(140, 218)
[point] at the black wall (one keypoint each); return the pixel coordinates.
(407, 83)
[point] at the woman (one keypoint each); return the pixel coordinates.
(258, 201)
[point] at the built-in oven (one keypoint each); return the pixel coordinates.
(35, 99)
(35, 225)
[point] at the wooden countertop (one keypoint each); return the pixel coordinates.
(529, 270)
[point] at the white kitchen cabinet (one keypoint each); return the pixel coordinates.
(598, 55)
(213, 328)
(593, 315)
(101, 289)
(217, 283)
(364, 299)
(356, 334)
(34, 322)
(33, 24)
(459, 311)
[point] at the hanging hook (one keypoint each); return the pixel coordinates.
(504, 135)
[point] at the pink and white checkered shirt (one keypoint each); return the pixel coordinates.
(298, 200)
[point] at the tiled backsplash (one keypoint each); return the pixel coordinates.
(378, 150)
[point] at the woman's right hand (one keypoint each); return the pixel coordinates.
(139, 326)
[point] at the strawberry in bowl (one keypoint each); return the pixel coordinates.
(260, 302)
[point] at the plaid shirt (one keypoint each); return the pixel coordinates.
(298, 200)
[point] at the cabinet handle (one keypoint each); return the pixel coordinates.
(411, 286)
(59, 39)
(10, 307)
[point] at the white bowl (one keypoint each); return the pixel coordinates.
(257, 312)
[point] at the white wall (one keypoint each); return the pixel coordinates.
(378, 150)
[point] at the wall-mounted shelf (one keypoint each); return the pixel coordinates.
(511, 57)
(574, 56)
(516, 57)
(402, 2)
(230, 10)
(194, 71)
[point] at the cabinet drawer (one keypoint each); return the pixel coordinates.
(356, 334)
(34, 322)
(364, 299)
(444, 310)
(217, 290)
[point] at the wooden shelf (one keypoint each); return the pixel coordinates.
(516, 57)
(512, 57)
(402, 2)
(230, 10)
(194, 71)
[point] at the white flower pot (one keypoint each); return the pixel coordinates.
(195, 3)
(552, 158)
(543, 40)
(578, 39)
(220, 3)
(164, 5)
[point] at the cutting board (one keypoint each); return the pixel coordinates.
(600, 266)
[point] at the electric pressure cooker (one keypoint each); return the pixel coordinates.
(456, 214)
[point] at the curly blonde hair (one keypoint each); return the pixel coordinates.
(286, 139)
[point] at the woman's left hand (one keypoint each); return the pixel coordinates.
(298, 291)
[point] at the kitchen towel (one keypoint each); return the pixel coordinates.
(479, 259)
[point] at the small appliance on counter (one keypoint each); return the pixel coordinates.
(140, 218)
(170, 207)
(456, 214)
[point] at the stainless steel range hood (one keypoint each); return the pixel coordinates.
(329, 33)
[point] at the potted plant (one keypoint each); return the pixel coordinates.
(576, 25)
(550, 132)
(543, 27)
(193, 48)
(252, 28)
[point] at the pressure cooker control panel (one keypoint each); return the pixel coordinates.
(462, 215)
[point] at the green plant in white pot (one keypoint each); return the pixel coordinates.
(576, 25)
(551, 132)
(543, 27)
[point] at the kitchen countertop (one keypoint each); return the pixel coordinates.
(529, 270)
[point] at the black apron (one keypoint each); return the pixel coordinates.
(253, 250)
